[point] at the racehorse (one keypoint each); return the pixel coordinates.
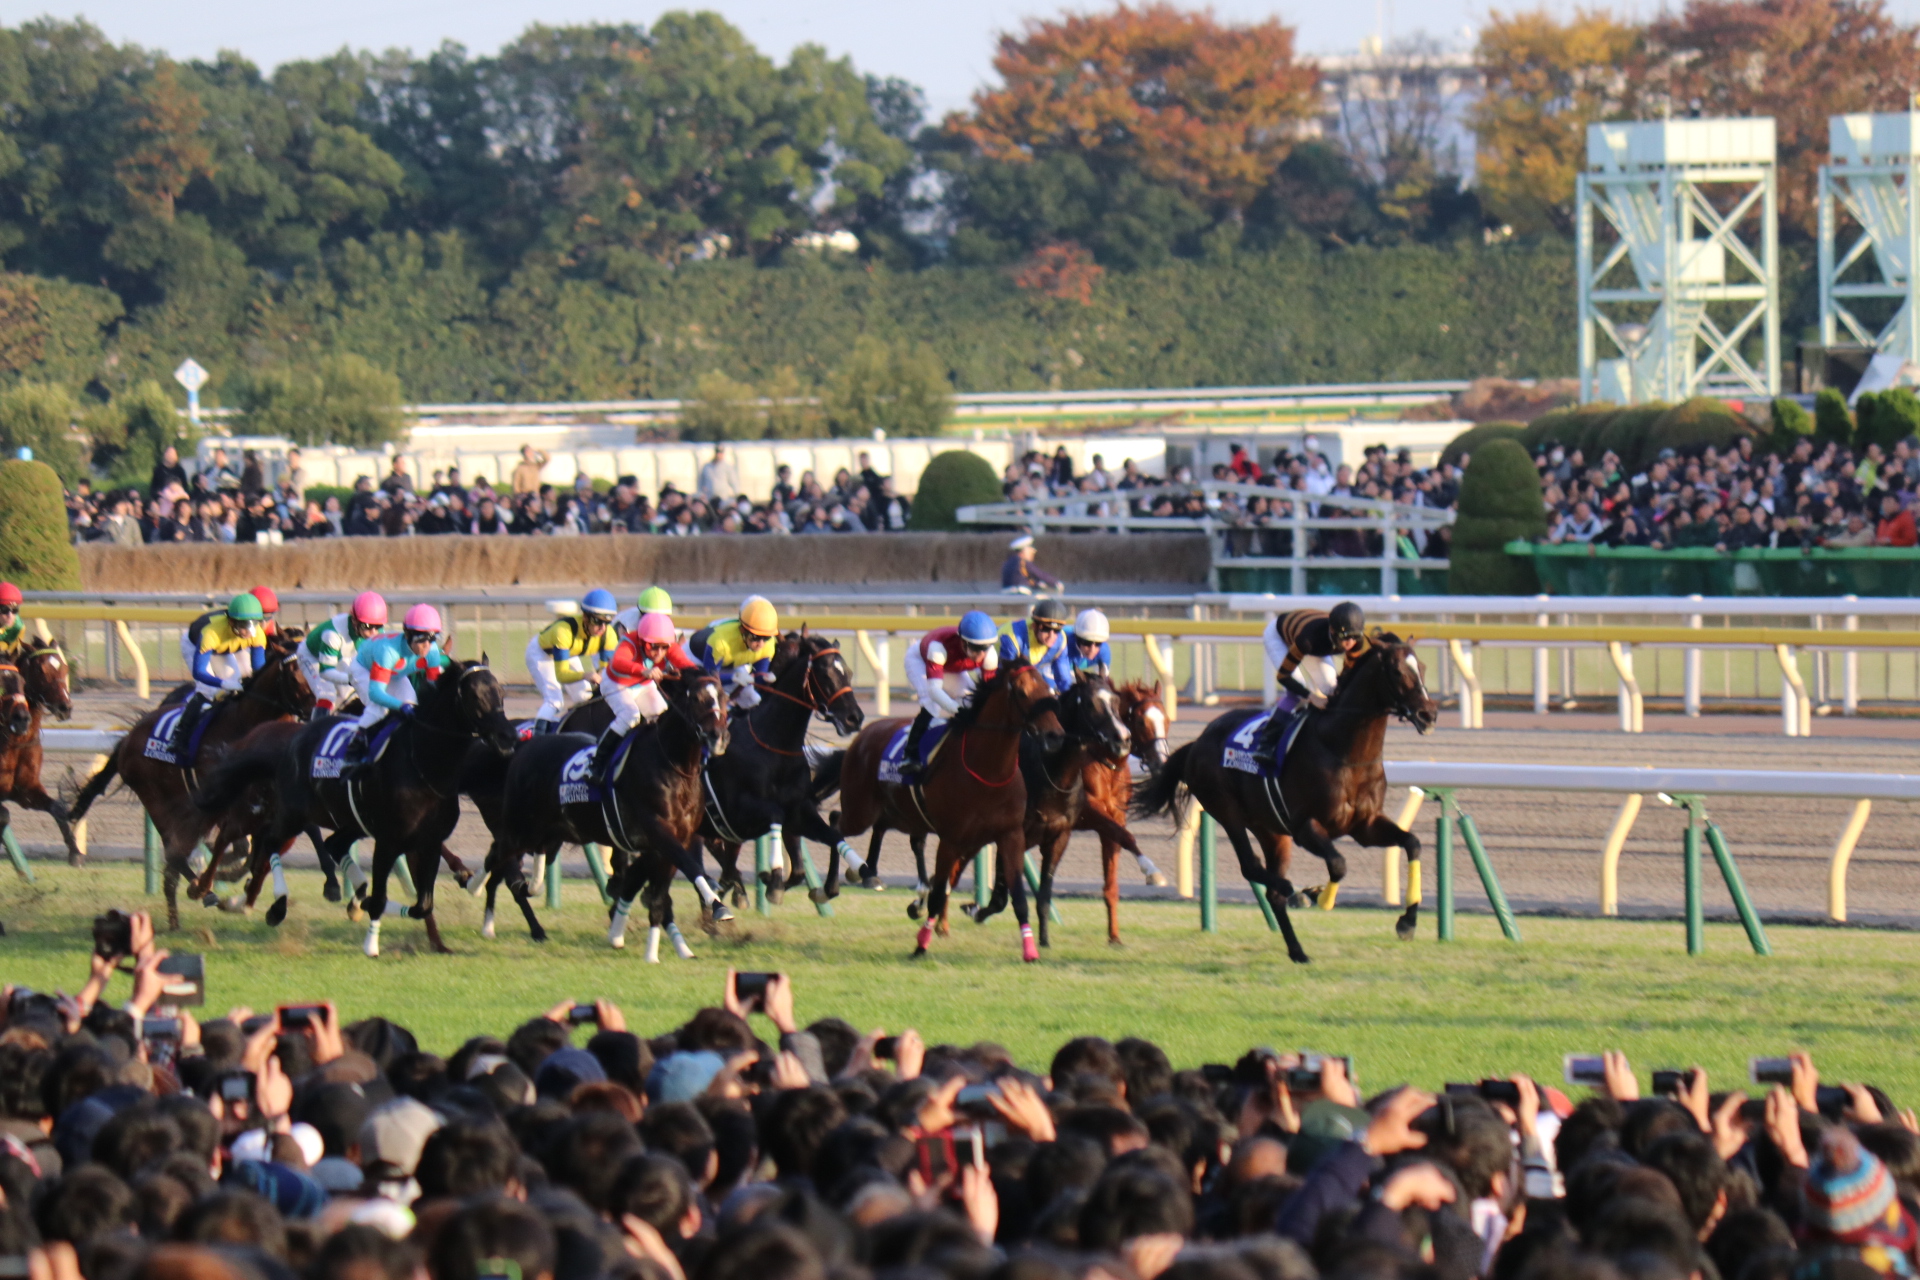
(764, 778)
(650, 808)
(40, 676)
(277, 691)
(1110, 790)
(971, 794)
(405, 797)
(1331, 782)
(1096, 730)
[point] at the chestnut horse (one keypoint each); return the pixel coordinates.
(972, 794)
(1331, 784)
(40, 676)
(1110, 790)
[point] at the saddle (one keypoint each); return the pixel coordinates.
(576, 786)
(1238, 753)
(160, 740)
(895, 755)
(329, 758)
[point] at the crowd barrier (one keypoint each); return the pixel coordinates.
(1586, 569)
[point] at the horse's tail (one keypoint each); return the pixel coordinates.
(223, 786)
(1161, 790)
(95, 786)
(826, 779)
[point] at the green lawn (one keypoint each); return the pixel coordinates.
(1417, 1011)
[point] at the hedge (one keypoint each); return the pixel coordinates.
(952, 480)
(1499, 501)
(1468, 442)
(36, 550)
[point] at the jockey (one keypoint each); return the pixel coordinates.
(326, 655)
(743, 645)
(1039, 640)
(13, 628)
(269, 607)
(228, 646)
(943, 669)
(647, 654)
(1086, 645)
(652, 600)
(565, 658)
(1305, 641)
(382, 668)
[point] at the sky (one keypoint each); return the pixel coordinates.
(946, 48)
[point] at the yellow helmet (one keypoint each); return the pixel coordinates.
(758, 615)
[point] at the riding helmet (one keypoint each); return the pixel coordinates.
(1346, 621)
(655, 628)
(268, 600)
(757, 615)
(1047, 609)
(599, 602)
(422, 619)
(10, 594)
(246, 608)
(977, 628)
(370, 608)
(1091, 625)
(655, 600)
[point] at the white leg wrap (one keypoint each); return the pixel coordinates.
(197, 860)
(852, 861)
(279, 877)
(778, 860)
(537, 883)
(680, 946)
(350, 868)
(486, 925)
(705, 890)
(1146, 866)
(653, 944)
(617, 930)
(372, 947)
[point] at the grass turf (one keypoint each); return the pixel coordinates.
(1414, 1011)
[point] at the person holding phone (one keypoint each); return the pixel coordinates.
(772, 994)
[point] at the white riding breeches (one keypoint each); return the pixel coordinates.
(400, 687)
(633, 703)
(556, 698)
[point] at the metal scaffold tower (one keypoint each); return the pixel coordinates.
(1871, 179)
(1691, 205)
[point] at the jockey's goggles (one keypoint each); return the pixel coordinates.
(9, 610)
(1047, 628)
(241, 626)
(751, 637)
(655, 651)
(1089, 646)
(420, 637)
(977, 649)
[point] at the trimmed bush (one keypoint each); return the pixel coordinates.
(1831, 421)
(1468, 442)
(952, 480)
(1791, 425)
(1499, 501)
(1627, 435)
(1697, 423)
(1572, 427)
(36, 549)
(1886, 418)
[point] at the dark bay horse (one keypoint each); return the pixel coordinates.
(406, 800)
(972, 794)
(275, 692)
(1332, 783)
(652, 812)
(40, 675)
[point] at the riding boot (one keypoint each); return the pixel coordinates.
(1267, 749)
(354, 758)
(910, 767)
(545, 726)
(196, 706)
(603, 756)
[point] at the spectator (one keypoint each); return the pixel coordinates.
(293, 480)
(1578, 525)
(253, 481)
(167, 471)
(718, 479)
(397, 481)
(526, 472)
(1896, 527)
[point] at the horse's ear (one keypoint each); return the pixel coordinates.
(484, 660)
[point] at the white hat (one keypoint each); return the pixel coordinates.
(1021, 543)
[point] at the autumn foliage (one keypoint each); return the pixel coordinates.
(1188, 101)
(1064, 271)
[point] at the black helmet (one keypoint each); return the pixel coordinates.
(1346, 621)
(1047, 609)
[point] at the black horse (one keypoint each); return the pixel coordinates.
(406, 798)
(1332, 782)
(764, 779)
(651, 809)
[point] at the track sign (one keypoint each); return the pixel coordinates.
(190, 375)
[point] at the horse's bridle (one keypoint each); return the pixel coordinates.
(814, 704)
(281, 665)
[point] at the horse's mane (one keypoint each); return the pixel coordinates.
(977, 700)
(1376, 643)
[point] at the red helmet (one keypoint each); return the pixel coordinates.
(269, 602)
(10, 594)
(371, 608)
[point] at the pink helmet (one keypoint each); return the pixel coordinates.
(370, 607)
(655, 628)
(422, 617)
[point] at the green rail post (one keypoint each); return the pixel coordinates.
(1690, 863)
(1484, 865)
(982, 878)
(762, 868)
(151, 857)
(812, 873)
(1033, 885)
(16, 853)
(1209, 907)
(1266, 909)
(405, 875)
(1756, 934)
(594, 865)
(1443, 862)
(553, 885)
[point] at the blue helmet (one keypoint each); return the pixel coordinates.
(600, 601)
(977, 628)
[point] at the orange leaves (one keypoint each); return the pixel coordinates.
(168, 152)
(1203, 106)
(1064, 271)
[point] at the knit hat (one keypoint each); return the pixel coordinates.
(681, 1077)
(1848, 1198)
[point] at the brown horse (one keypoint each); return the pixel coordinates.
(40, 675)
(1331, 783)
(972, 794)
(1109, 786)
(275, 692)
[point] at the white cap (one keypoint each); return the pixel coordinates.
(1021, 543)
(1091, 625)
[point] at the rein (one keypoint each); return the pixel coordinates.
(813, 705)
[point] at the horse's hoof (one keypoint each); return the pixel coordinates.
(486, 930)
(1404, 931)
(277, 913)
(719, 913)
(538, 935)
(913, 910)
(819, 895)
(1158, 880)
(1116, 944)
(415, 912)
(919, 953)
(466, 881)
(211, 900)
(353, 911)
(475, 885)
(874, 883)
(332, 891)
(1299, 957)
(1028, 951)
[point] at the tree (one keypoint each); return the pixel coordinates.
(342, 399)
(1832, 423)
(899, 388)
(722, 409)
(1546, 81)
(167, 150)
(39, 416)
(131, 431)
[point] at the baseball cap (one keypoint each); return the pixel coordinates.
(681, 1077)
(391, 1139)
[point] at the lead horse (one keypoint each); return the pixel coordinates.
(1331, 784)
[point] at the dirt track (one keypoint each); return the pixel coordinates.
(1546, 848)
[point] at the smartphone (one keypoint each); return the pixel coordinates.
(1670, 1083)
(581, 1013)
(887, 1047)
(1305, 1078)
(298, 1017)
(160, 1028)
(236, 1086)
(750, 989)
(1770, 1070)
(1500, 1091)
(976, 1100)
(113, 934)
(186, 979)
(1830, 1100)
(934, 1155)
(970, 1143)
(1589, 1069)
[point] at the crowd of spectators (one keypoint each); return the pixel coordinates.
(273, 1146)
(1820, 495)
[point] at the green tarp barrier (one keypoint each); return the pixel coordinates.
(1579, 569)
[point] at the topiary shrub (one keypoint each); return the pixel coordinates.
(1627, 433)
(36, 548)
(1468, 442)
(1886, 418)
(1499, 501)
(952, 480)
(1791, 424)
(1573, 428)
(1831, 421)
(1694, 424)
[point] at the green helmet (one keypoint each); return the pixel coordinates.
(246, 608)
(656, 600)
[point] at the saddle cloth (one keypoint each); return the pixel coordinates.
(159, 741)
(1237, 753)
(329, 758)
(892, 757)
(574, 787)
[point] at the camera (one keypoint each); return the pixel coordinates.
(1305, 1078)
(113, 935)
(581, 1013)
(1671, 1083)
(1492, 1090)
(298, 1017)
(887, 1047)
(1589, 1069)
(750, 989)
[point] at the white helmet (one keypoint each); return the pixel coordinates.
(1091, 625)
